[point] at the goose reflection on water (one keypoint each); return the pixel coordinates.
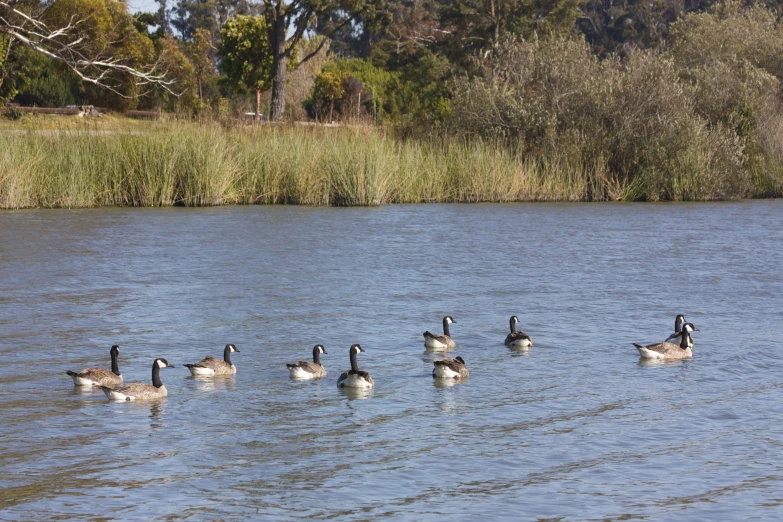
(519, 351)
(356, 393)
(213, 384)
(644, 362)
(447, 383)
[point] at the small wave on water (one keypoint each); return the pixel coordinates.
(576, 427)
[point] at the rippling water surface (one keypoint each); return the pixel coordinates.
(576, 428)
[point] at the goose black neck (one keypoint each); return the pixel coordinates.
(354, 365)
(678, 325)
(227, 354)
(156, 375)
(684, 338)
(513, 325)
(316, 356)
(115, 368)
(446, 328)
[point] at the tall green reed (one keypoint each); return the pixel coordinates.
(193, 164)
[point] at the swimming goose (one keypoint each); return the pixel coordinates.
(450, 369)
(138, 391)
(516, 338)
(99, 376)
(676, 336)
(355, 378)
(307, 369)
(441, 342)
(209, 366)
(667, 350)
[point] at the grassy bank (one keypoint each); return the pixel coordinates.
(175, 163)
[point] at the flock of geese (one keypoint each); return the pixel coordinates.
(110, 381)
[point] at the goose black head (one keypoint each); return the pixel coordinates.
(319, 348)
(688, 327)
(163, 363)
(231, 348)
(356, 348)
(678, 321)
(460, 359)
(115, 349)
(449, 320)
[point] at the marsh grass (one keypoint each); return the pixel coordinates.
(192, 164)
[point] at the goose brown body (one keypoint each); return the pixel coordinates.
(355, 378)
(99, 376)
(671, 351)
(450, 369)
(209, 366)
(307, 369)
(440, 342)
(139, 391)
(516, 337)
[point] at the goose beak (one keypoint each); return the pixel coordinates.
(696, 329)
(326, 353)
(171, 366)
(237, 351)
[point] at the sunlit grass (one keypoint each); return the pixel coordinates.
(180, 163)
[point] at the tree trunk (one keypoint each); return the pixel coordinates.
(277, 106)
(331, 110)
(258, 103)
(280, 64)
(200, 92)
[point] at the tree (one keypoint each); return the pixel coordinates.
(41, 81)
(479, 26)
(143, 21)
(189, 15)
(298, 92)
(179, 68)
(620, 27)
(328, 87)
(246, 56)
(288, 24)
(95, 39)
(163, 18)
(199, 51)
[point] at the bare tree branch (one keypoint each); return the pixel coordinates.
(65, 45)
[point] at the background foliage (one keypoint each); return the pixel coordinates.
(648, 100)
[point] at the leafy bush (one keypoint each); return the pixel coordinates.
(639, 127)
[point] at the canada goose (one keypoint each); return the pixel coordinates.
(355, 378)
(307, 369)
(441, 342)
(450, 369)
(676, 336)
(99, 376)
(209, 366)
(667, 350)
(138, 391)
(516, 338)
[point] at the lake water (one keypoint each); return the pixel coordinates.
(577, 428)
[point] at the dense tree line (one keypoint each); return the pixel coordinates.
(398, 61)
